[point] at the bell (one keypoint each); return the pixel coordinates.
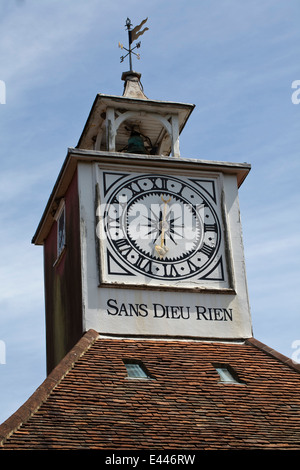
(136, 143)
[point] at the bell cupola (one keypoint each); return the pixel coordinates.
(133, 123)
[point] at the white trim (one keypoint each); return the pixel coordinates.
(59, 209)
(59, 213)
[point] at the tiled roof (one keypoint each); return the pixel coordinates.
(88, 402)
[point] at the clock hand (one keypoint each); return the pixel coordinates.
(162, 248)
(164, 224)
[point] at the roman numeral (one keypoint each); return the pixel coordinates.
(163, 181)
(210, 227)
(134, 187)
(144, 264)
(123, 246)
(192, 266)
(207, 250)
(170, 271)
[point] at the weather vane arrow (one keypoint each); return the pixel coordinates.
(133, 34)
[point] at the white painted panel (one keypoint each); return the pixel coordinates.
(215, 311)
(141, 312)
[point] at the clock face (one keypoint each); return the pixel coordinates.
(161, 228)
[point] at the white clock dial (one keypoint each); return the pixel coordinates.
(163, 227)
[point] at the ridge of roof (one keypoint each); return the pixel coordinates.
(272, 352)
(43, 391)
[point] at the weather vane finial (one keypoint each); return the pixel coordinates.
(133, 34)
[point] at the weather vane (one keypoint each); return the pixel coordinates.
(133, 34)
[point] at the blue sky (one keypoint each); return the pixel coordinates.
(236, 61)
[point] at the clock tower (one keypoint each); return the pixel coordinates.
(140, 241)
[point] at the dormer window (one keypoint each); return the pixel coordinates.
(136, 369)
(227, 374)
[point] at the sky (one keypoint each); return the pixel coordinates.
(236, 61)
